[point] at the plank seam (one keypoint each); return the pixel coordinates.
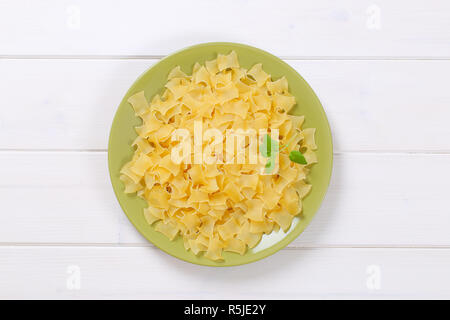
(337, 153)
(149, 245)
(157, 57)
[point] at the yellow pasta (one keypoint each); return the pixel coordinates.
(223, 206)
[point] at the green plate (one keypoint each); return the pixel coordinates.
(152, 82)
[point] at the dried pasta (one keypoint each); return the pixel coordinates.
(221, 206)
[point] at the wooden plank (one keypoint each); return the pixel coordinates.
(63, 104)
(371, 105)
(287, 28)
(52, 197)
(373, 200)
(147, 273)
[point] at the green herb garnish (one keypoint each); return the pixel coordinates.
(269, 148)
(297, 157)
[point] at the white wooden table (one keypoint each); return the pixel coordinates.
(381, 69)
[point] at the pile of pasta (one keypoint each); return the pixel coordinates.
(218, 207)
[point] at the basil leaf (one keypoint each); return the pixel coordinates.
(268, 146)
(265, 147)
(297, 157)
(270, 165)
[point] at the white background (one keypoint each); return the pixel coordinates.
(381, 69)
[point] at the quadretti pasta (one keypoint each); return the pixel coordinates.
(225, 205)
